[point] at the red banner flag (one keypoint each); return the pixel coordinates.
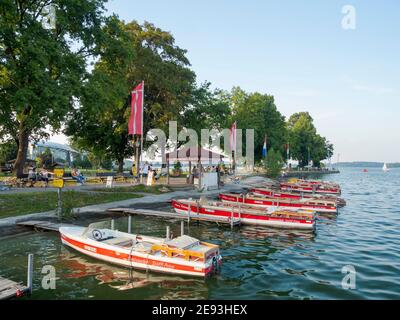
(233, 136)
(135, 124)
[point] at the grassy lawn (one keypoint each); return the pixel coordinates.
(32, 202)
(158, 189)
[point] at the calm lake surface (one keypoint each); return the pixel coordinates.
(258, 263)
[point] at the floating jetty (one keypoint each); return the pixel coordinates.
(10, 289)
(173, 215)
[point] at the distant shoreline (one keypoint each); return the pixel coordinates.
(367, 164)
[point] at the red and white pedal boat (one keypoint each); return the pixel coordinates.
(291, 219)
(291, 195)
(310, 188)
(281, 203)
(182, 255)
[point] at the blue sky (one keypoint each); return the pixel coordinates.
(349, 80)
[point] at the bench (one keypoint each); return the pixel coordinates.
(118, 177)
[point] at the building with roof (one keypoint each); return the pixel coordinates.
(61, 153)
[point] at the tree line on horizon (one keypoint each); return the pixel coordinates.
(76, 78)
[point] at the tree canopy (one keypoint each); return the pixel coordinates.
(259, 112)
(46, 83)
(130, 54)
(305, 143)
(42, 69)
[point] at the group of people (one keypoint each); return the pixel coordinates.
(44, 175)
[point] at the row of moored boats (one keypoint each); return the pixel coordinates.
(293, 204)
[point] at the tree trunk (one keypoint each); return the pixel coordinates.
(23, 140)
(120, 165)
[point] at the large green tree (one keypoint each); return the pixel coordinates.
(258, 111)
(208, 109)
(42, 69)
(98, 125)
(133, 53)
(305, 143)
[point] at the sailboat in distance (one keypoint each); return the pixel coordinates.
(385, 168)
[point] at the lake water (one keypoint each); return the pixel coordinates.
(258, 263)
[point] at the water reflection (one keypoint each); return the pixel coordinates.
(258, 262)
(77, 266)
(262, 233)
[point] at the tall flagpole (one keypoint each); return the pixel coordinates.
(141, 137)
(135, 139)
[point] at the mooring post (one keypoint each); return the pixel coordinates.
(232, 218)
(129, 223)
(59, 203)
(182, 228)
(29, 282)
(167, 233)
(112, 224)
(240, 213)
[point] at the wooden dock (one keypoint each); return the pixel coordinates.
(43, 225)
(11, 289)
(174, 215)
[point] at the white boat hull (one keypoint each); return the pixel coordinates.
(262, 220)
(137, 260)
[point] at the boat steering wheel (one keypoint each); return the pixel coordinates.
(97, 235)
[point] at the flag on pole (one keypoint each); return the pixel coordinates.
(135, 124)
(264, 150)
(233, 136)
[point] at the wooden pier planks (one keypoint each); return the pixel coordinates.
(10, 289)
(174, 215)
(43, 225)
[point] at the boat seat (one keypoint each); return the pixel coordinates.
(143, 246)
(182, 242)
(121, 241)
